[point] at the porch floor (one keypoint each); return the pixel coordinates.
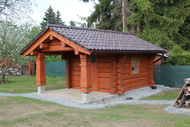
(74, 94)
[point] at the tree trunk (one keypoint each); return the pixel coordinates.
(124, 15)
(138, 29)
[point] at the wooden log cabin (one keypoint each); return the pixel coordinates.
(96, 60)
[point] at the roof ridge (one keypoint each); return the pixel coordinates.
(91, 29)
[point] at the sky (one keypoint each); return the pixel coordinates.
(70, 9)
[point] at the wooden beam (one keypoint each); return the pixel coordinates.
(70, 43)
(76, 52)
(49, 33)
(36, 43)
(57, 49)
(29, 68)
(44, 46)
(85, 82)
(34, 53)
(51, 37)
(40, 70)
(63, 44)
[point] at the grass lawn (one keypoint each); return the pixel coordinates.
(166, 95)
(26, 84)
(26, 112)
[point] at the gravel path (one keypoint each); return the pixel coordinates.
(135, 94)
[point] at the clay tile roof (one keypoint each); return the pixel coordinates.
(95, 39)
(104, 40)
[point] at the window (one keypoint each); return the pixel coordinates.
(134, 65)
(93, 60)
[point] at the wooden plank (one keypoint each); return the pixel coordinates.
(75, 83)
(104, 70)
(75, 73)
(68, 73)
(75, 64)
(29, 68)
(75, 78)
(70, 43)
(112, 75)
(57, 49)
(134, 81)
(104, 75)
(75, 68)
(135, 86)
(44, 46)
(40, 70)
(104, 65)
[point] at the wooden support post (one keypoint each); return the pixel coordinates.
(68, 70)
(120, 89)
(40, 70)
(150, 70)
(29, 68)
(112, 75)
(86, 85)
(33, 67)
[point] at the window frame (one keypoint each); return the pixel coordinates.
(131, 61)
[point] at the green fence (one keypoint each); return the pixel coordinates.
(56, 68)
(170, 75)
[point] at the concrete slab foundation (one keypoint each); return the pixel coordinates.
(77, 95)
(41, 89)
(85, 97)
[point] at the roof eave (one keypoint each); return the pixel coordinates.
(127, 51)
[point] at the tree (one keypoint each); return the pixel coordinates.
(162, 22)
(107, 15)
(51, 18)
(72, 23)
(12, 39)
(15, 8)
(58, 20)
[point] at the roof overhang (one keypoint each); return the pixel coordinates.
(34, 46)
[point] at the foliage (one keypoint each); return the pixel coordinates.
(178, 57)
(15, 8)
(53, 58)
(72, 23)
(106, 15)
(52, 18)
(161, 22)
(12, 39)
(165, 20)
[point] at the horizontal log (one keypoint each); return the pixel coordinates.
(120, 59)
(144, 74)
(75, 78)
(75, 68)
(104, 75)
(104, 90)
(55, 43)
(75, 64)
(75, 73)
(143, 65)
(124, 65)
(57, 49)
(75, 83)
(105, 69)
(135, 86)
(142, 70)
(104, 64)
(44, 46)
(134, 81)
(76, 87)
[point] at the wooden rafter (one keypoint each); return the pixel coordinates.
(44, 47)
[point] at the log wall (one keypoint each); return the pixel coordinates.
(75, 71)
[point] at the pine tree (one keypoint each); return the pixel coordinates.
(58, 19)
(52, 18)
